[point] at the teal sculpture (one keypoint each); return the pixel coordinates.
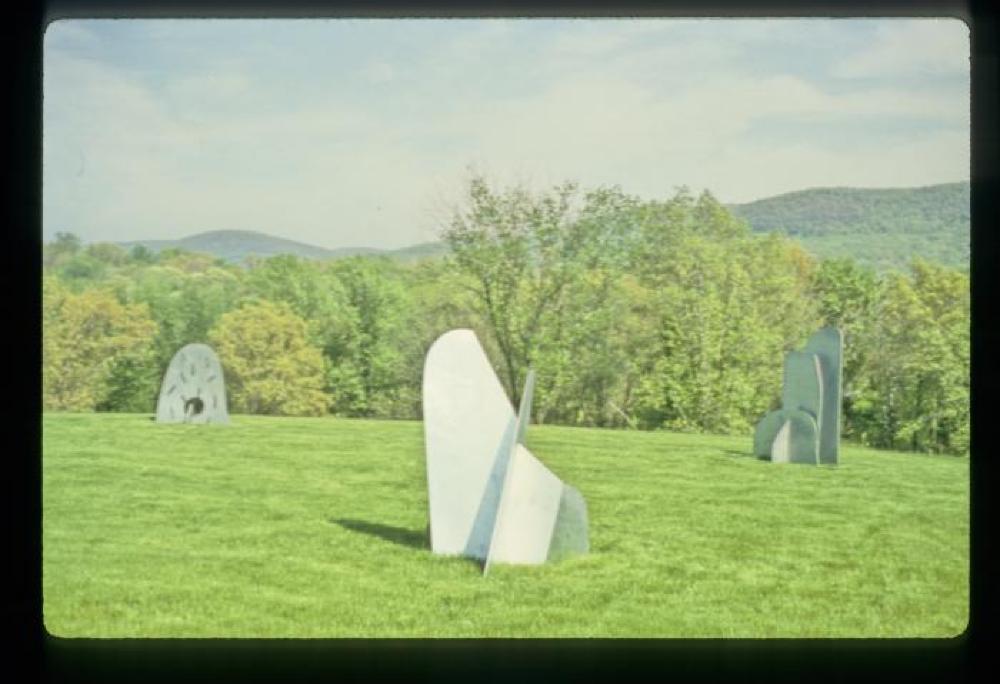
(828, 345)
(806, 429)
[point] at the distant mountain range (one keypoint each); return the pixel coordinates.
(880, 228)
(236, 245)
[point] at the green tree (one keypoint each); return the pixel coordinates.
(588, 355)
(59, 250)
(725, 305)
(295, 281)
(438, 299)
(312, 293)
(918, 394)
(524, 254)
(847, 295)
(85, 337)
(133, 384)
(107, 253)
(269, 364)
(81, 271)
(368, 373)
(184, 305)
(140, 254)
(189, 262)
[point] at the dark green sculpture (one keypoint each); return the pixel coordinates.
(828, 345)
(807, 427)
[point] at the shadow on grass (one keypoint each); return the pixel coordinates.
(397, 535)
(738, 452)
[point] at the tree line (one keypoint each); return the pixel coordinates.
(638, 314)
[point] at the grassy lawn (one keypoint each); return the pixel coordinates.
(315, 527)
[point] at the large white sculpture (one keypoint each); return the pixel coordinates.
(193, 389)
(490, 498)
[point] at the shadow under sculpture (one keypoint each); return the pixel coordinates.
(193, 389)
(806, 429)
(490, 498)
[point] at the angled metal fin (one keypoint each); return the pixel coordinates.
(524, 409)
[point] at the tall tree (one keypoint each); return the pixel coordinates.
(847, 295)
(313, 294)
(918, 397)
(269, 364)
(524, 253)
(368, 375)
(727, 304)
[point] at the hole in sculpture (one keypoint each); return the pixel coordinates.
(193, 406)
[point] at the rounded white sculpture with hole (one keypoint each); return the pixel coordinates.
(193, 389)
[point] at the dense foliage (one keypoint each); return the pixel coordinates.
(269, 364)
(640, 314)
(882, 228)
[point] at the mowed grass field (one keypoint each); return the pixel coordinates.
(316, 527)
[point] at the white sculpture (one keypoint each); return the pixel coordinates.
(193, 389)
(489, 497)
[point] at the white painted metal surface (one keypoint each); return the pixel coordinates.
(527, 515)
(469, 430)
(489, 497)
(193, 389)
(781, 450)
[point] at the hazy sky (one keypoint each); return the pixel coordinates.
(362, 132)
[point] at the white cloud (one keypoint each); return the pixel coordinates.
(379, 72)
(749, 170)
(211, 88)
(916, 47)
(614, 132)
(69, 34)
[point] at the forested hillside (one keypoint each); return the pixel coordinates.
(636, 314)
(880, 228)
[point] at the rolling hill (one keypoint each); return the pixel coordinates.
(883, 228)
(236, 245)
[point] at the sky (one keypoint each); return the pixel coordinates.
(344, 133)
